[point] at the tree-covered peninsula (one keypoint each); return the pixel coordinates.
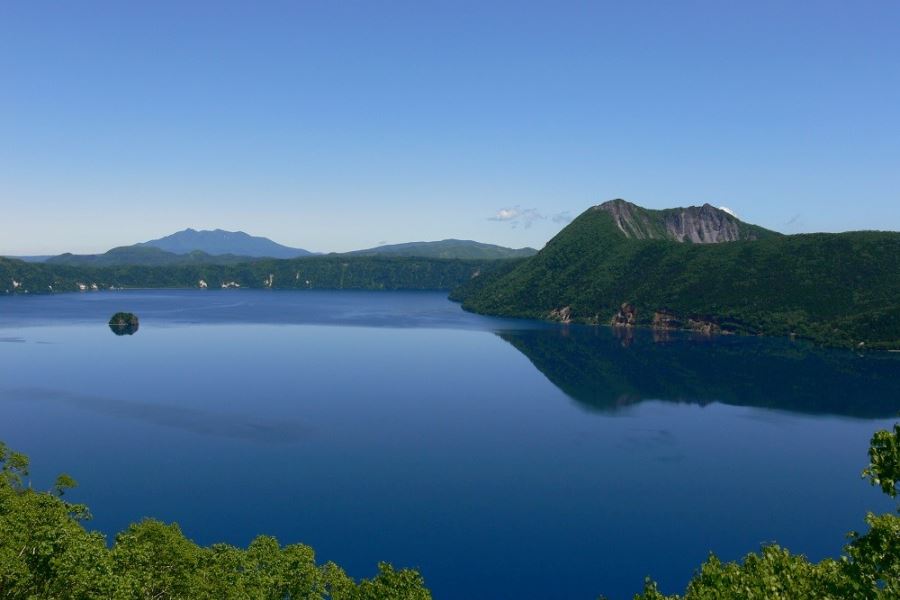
(701, 268)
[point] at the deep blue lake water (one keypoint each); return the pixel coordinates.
(503, 458)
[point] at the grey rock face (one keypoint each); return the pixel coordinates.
(694, 224)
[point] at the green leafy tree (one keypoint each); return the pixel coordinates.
(884, 461)
(869, 570)
(46, 552)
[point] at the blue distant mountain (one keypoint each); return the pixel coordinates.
(32, 259)
(219, 247)
(448, 249)
(218, 242)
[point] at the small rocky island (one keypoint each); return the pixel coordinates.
(124, 323)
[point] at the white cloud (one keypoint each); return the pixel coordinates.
(505, 214)
(728, 210)
(516, 215)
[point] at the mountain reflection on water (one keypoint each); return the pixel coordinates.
(604, 369)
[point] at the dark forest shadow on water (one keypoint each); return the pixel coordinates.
(216, 424)
(604, 369)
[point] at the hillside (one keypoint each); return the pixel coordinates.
(218, 242)
(447, 249)
(34, 258)
(314, 272)
(841, 289)
(145, 256)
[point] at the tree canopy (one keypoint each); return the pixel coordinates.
(868, 570)
(46, 552)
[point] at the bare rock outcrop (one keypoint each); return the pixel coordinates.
(562, 315)
(666, 320)
(704, 326)
(694, 224)
(625, 317)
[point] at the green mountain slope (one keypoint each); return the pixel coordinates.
(837, 288)
(447, 249)
(144, 255)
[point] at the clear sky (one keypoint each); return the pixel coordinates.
(336, 125)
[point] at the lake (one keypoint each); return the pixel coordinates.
(502, 458)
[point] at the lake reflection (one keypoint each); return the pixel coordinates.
(395, 426)
(604, 369)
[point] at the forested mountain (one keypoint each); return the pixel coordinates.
(622, 265)
(227, 247)
(145, 256)
(448, 249)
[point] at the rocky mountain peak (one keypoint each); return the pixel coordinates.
(692, 224)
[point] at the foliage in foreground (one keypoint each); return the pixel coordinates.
(869, 570)
(45, 552)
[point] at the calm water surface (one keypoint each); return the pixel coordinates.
(502, 458)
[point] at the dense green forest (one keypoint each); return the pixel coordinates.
(46, 552)
(148, 256)
(841, 289)
(317, 272)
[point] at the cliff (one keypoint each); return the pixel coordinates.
(692, 224)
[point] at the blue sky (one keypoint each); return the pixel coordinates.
(339, 125)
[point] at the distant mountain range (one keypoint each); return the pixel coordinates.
(193, 247)
(447, 249)
(219, 242)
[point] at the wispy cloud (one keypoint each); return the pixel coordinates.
(506, 214)
(562, 217)
(526, 217)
